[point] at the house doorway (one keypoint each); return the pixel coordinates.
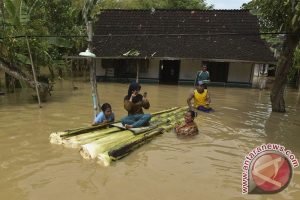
(218, 71)
(169, 71)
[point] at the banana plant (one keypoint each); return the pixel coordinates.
(21, 18)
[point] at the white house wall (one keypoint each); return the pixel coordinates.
(100, 71)
(240, 72)
(189, 68)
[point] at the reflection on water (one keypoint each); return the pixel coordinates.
(207, 166)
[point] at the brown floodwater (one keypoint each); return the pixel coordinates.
(208, 166)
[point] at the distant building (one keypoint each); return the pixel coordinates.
(171, 45)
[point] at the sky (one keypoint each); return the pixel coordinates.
(227, 4)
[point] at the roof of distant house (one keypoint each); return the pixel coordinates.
(204, 34)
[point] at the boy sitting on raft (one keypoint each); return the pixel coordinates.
(105, 116)
(201, 98)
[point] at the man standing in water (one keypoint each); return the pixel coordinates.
(202, 75)
(201, 98)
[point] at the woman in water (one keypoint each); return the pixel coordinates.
(189, 128)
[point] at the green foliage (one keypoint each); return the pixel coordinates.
(143, 4)
(297, 58)
(132, 52)
(59, 42)
(278, 16)
(20, 18)
(23, 59)
(147, 4)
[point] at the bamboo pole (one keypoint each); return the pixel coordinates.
(93, 81)
(34, 75)
(94, 88)
(96, 85)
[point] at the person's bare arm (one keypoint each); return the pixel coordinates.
(99, 123)
(208, 100)
(189, 99)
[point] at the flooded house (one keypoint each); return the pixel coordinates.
(170, 46)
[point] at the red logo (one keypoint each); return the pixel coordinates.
(271, 173)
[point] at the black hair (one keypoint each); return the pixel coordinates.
(193, 113)
(199, 83)
(105, 106)
(134, 86)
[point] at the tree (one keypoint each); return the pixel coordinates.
(14, 53)
(295, 74)
(38, 20)
(148, 4)
(280, 16)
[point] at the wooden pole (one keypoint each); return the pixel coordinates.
(34, 75)
(96, 85)
(137, 70)
(72, 79)
(95, 95)
(94, 98)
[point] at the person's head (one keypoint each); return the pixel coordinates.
(204, 67)
(189, 116)
(200, 86)
(134, 87)
(106, 109)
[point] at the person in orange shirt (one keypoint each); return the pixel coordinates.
(201, 98)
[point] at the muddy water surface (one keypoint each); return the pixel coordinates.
(208, 166)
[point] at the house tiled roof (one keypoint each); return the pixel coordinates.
(212, 34)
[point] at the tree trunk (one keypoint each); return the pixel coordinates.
(43, 87)
(52, 75)
(298, 79)
(283, 67)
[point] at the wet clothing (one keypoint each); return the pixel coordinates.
(101, 117)
(136, 106)
(202, 76)
(137, 120)
(204, 109)
(136, 116)
(200, 99)
(190, 129)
